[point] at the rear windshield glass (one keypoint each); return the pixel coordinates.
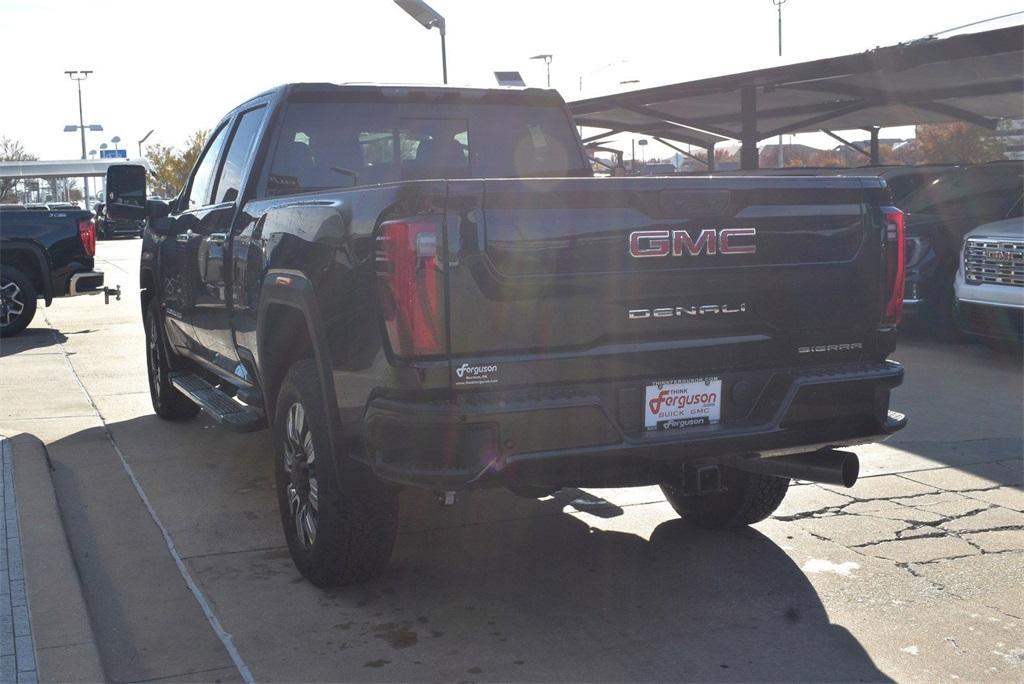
(988, 191)
(326, 144)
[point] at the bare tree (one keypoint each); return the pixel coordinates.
(67, 189)
(11, 150)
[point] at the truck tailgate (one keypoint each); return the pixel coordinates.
(541, 275)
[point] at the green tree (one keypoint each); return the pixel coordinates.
(171, 166)
(956, 142)
(11, 150)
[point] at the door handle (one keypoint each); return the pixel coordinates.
(184, 237)
(218, 238)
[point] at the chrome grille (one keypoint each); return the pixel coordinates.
(989, 261)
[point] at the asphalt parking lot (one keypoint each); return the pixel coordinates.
(913, 575)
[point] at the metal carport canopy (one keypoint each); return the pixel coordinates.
(70, 168)
(975, 77)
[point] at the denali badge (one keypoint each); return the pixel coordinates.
(659, 243)
(679, 311)
(822, 348)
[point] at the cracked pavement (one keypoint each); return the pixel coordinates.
(913, 575)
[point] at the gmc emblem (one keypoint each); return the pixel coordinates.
(660, 243)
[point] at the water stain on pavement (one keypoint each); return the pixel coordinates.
(398, 635)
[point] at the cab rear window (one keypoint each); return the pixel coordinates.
(322, 145)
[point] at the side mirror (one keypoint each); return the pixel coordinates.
(126, 192)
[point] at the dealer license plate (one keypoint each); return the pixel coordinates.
(682, 403)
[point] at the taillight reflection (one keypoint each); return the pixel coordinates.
(895, 265)
(87, 234)
(410, 286)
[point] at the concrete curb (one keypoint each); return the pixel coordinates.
(65, 643)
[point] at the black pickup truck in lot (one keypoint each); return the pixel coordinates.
(108, 228)
(44, 253)
(423, 286)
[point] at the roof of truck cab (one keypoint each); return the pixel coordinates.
(404, 88)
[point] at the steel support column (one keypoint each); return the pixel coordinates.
(711, 158)
(748, 136)
(876, 156)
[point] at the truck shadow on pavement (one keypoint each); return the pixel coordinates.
(577, 601)
(496, 588)
(29, 339)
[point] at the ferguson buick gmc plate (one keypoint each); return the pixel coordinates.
(682, 403)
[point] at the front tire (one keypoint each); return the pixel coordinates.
(17, 301)
(168, 402)
(747, 499)
(339, 520)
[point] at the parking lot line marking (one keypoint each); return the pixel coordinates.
(197, 593)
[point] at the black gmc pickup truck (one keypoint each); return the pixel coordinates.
(44, 253)
(424, 286)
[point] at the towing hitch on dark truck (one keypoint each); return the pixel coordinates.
(45, 253)
(424, 286)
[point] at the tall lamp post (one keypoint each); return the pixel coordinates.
(778, 4)
(78, 76)
(144, 139)
(104, 146)
(547, 63)
(425, 15)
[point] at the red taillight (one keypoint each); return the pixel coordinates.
(410, 286)
(87, 234)
(895, 268)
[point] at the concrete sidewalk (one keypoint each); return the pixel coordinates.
(146, 619)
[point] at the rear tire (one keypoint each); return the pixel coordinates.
(339, 519)
(940, 311)
(17, 301)
(168, 402)
(747, 499)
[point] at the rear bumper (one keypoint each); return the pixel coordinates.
(85, 283)
(592, 435)
(121, 228)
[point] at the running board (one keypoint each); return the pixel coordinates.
(219, 406)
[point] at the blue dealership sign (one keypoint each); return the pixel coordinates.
(113, 154)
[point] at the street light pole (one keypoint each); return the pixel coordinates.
(778, 4)
(144, 139)
(444, 57)
(547, 63)
(428, 18)
(78, 77)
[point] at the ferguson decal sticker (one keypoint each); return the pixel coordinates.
(476, 375)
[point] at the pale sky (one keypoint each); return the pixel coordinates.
(178, 66)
